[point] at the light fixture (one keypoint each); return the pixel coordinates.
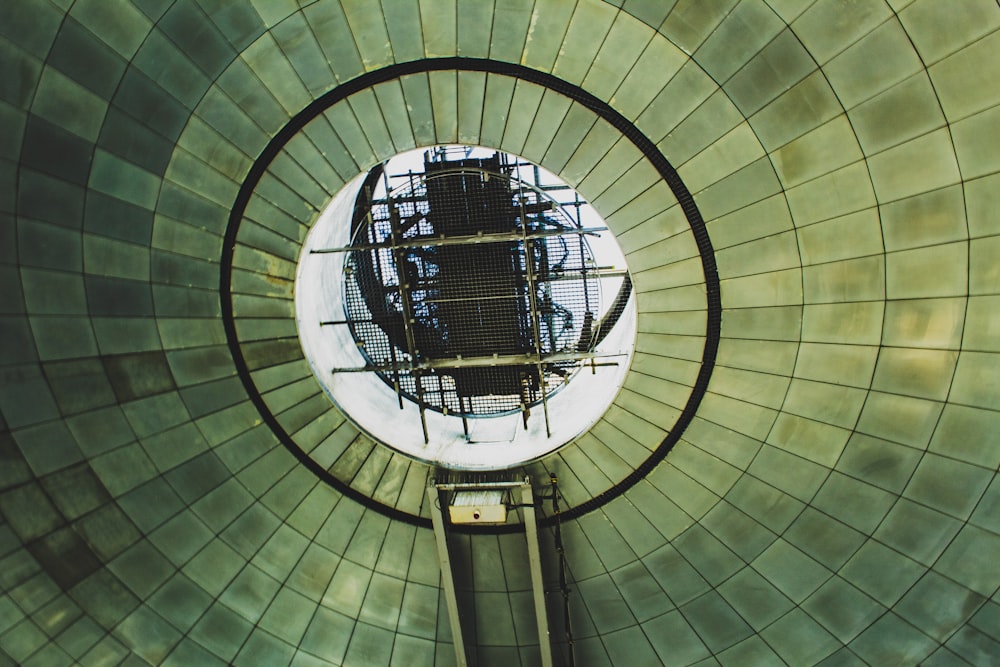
(478, 506)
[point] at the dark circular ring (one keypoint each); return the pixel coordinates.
(575, 93)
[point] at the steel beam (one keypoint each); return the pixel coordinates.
(482, 237)
(483, 362)
(535, 566)
(447, 576)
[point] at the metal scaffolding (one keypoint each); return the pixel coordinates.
(470, 291)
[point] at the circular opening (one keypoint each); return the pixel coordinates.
(465, 307)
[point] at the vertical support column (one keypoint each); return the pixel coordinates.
(448, 579)
(535, 566)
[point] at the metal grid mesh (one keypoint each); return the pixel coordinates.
(464, 283)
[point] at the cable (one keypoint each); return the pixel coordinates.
(563, 586)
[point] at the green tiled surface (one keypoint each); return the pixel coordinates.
(834, 497)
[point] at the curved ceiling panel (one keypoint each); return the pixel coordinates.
(279, 201)
(831, 499)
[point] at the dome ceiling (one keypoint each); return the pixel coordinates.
(800, 467)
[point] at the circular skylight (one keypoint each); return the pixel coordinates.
(465, 307)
